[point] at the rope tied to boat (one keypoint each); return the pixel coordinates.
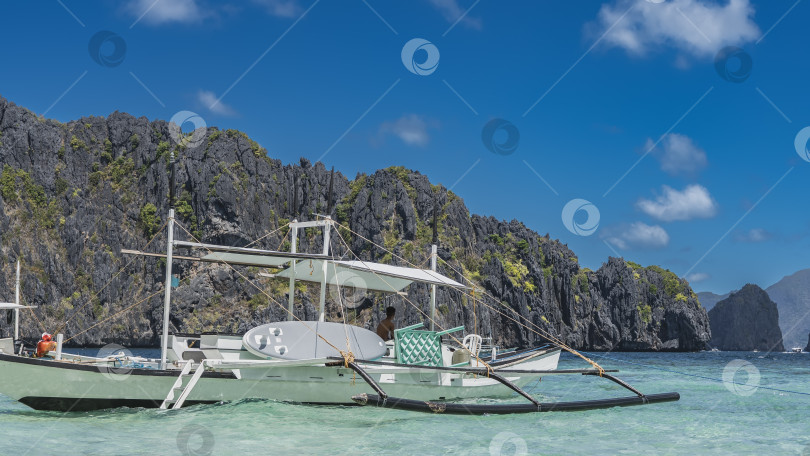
(348, 357)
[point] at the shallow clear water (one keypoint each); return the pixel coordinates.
(712, 417)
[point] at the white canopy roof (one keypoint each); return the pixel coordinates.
(309, 268)
(367, 275)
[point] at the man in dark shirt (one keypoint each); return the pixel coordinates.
(386, 327)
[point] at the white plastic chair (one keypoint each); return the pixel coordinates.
(473, 343)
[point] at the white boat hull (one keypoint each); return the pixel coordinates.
(66, 386)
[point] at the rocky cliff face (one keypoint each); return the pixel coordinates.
(75, 194)
(792, 296)
(708, 299)
(746, 320)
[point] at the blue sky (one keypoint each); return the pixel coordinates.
(618, 103)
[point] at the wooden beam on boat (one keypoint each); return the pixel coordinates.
(250, 251)
(416, 368)
(481, 372)
(264, 363)
(157, 255)
(212, 258)
(480, 409)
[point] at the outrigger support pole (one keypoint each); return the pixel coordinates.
(367, 378)
(514, 388)
(618, 381)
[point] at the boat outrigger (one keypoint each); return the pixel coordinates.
(313, 362)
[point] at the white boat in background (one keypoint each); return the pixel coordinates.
(796, 349)
(314, 362)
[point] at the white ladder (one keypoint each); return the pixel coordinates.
(178, 385)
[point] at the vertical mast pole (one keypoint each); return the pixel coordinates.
(167, 286)
(433, 289)
(433, 255)
(327, 233)
(17, 301)
(293, 249)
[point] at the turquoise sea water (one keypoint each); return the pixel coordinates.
(712, 417)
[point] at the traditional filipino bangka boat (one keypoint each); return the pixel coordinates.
(313, 362)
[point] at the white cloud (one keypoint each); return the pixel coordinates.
(410, 128)
(696, 27)
(638, 235)
(451, 11)
(678, 154)
(754, 235)
(209, 100)
(693, 202)
(165, 11)
(281, 8)
(696, 277)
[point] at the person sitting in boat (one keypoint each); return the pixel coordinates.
(45, 345)
(386, 327)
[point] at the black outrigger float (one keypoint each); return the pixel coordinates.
(381, 399)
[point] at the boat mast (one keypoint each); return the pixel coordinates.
(433, 255)
(293, 249)
(327, 233)
(167, 286)
(17, 301)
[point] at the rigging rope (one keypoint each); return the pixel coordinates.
(343, 312)
(268, 234)
(76, 312)
(115, 315)
(266, 294)
(281, 242)
(703, 376)
(541, 332)
(41, 326)
(489, 368)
